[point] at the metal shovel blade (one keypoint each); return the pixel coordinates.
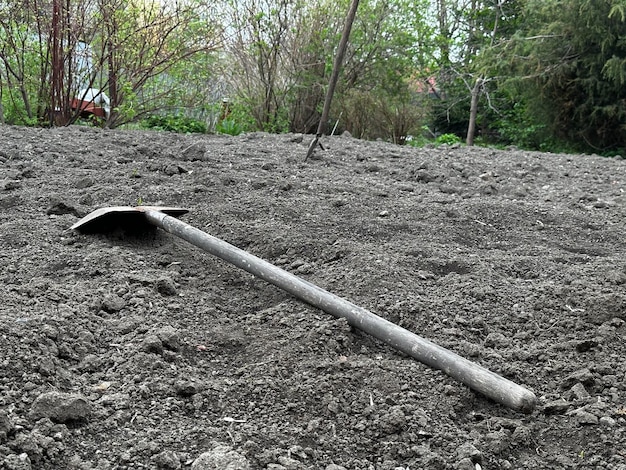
(108, 218)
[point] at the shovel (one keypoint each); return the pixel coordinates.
(478, 378)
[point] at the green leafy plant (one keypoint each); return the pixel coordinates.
(229, 127)
(447, 139)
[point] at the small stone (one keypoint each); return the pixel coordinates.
(522, 435)
(117, 401)
(61, 208)
(61, 407)
(17, 462)
(171, 170)
(289, 463)
(583, 376)
(393, 421)
(333, 466)
(585, 345)
(104, 464)
(555, 407)
(564, 461)
(6, 426)
(313, 425)
(465, 464)
(579, 391)
(469, 451)
(222, 457)
(90, 363)
(167, 460)
(306, 268)
(112, 303)
(333, 406)
(9, 185)
(187, 388)
(584, 417)
(496, 340)
(84, 183)
(607, 421)
(424, 176)
(166, 287)
(170, 337)
(86, 199)
(610, 380)
(152, 344)
(497, 441)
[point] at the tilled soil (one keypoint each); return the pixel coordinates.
(134, 349)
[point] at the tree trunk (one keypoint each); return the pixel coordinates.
(1, 105)
(56, 88)
(471, 128)
(444, 32)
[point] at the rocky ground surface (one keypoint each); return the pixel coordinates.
(134, 349)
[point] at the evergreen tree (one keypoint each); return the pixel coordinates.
(568, 64)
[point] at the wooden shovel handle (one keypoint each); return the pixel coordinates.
(476, 377)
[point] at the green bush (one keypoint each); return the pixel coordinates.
(13, 112)
(229, 127)
(175, 123)
(374, 115)
(447, 139)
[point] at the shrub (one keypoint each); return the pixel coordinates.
(175, 123)
(447, 139)
(228, 126)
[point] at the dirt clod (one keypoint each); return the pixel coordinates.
(61, 407)
(222, 457)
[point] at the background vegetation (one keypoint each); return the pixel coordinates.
(538, 74)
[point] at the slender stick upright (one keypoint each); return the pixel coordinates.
(341, 52)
